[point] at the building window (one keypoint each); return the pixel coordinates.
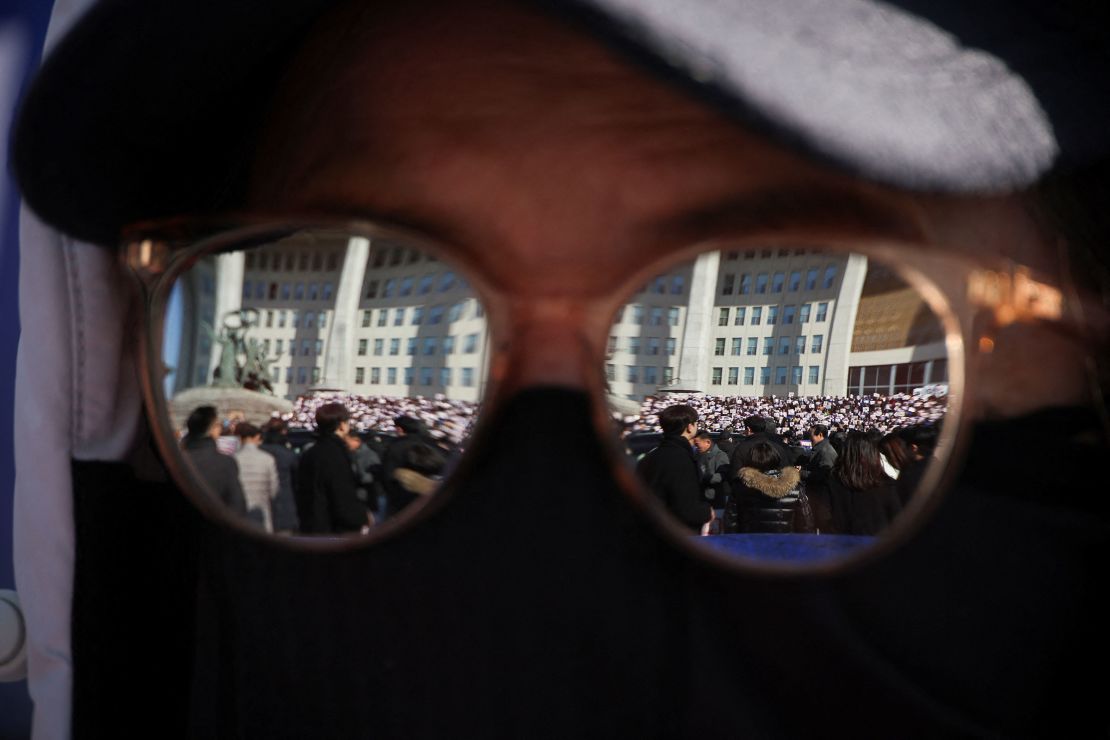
(800, 344)
(719, 346)
(657, 316)
(306, 347)
(375, 375)
(394, 346)
(784, 345)
(446, 282)
(372, 289)
(470, 344)
(717, 372)
(768, 345)
(764, 375)
(398, 316)
(379, 345)
(737, 345)
(448, 345)
(757, 315)
(761, 283)
(383, 316)
(733, 375)
(410, 346)
(796, 375)
(753, 345)
(678, 283)
(610, 373)
(741, 314)
(362, 346)
(406, 289)
(390, 288)
(803, 314)
(727, 284)
(425, 286)
(302, 375)
(298, 292)
(426, 376)
(454, 313)
(745, 284)
(749, 376)
(313, 292)
(409, 373)
(672, 316)
(632, 373)
(772, 315)
(822, 311)
(329, 291)
(435, 316)
(811, 278)
(468, 377)
(634, 345)
(638, 315)
(391, 376)
(660, 284)
(286, 293)
(722, 317)
(281, 319)
(319, 347)
(653, 345)
(788, 315)
(669, 345)
(813, 372)
(830, 276)
(777, 282)
(360, 375)
(445, 376)
(310, 319)
(651, 374)
(417, 315)
(366, 318)
(278, 346)
(780, 375)
(795, 281)
(612, 346)
(817, 340)
(668, 375)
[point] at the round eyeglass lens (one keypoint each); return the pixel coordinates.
(782, 405)
(321, 383)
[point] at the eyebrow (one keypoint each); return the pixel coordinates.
(828, 212)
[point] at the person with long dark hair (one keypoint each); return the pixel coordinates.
(864, 499)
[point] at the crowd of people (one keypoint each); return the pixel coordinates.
(444, 418)
(339, 483)
(841, 480)
(795, 415)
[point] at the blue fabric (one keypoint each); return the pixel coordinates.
(788, 547)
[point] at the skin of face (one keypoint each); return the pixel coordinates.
(703, 445)
(560, 171)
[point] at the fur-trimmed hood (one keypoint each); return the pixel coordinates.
(773, 483)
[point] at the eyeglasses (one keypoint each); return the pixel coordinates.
(262, 322)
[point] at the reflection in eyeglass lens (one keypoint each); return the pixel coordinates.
(782, 403)
(323, 383)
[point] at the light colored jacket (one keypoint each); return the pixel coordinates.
(259, 477)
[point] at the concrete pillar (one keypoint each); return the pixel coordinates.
(338, 369)
(695, 353)
(229, 295)
(842, 324)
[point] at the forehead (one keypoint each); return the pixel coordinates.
(535, 150)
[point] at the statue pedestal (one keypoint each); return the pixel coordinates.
(255, 407)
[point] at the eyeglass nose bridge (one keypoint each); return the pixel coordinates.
(550, 341)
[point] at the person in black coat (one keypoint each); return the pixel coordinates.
(411, 433)
(283, 507)
(758, 429)
(326, 498)
(670, 470)
(864, 499)
(218, 470)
